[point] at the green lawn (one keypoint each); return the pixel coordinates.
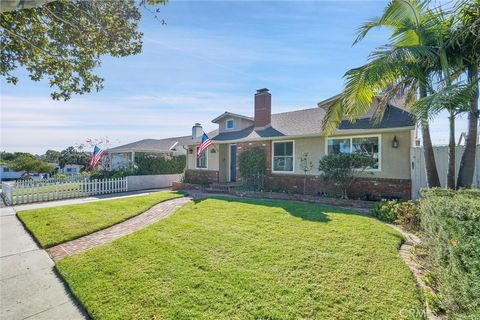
(248, 259)
(52, 226)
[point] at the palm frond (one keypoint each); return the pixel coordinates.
(455, 97)
(333, 116)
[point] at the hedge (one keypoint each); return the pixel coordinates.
(451, 224)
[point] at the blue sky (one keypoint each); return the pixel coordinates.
(210, 57)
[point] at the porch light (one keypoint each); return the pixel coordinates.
(395, 143)
(213, 151)
(190, 150)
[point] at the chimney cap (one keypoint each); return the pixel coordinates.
(263, 90)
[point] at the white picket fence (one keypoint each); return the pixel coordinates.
(418, 172)
(15, 194)
(32, 182)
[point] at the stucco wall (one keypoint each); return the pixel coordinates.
(395, 162)
(212, 158)
(135, 183)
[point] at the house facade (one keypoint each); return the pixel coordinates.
(124, 155)
(285, 137)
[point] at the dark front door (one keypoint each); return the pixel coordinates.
(233, 162)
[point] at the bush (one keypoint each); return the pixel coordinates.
(384, 210)
(251, 164)
(403, 213)
(158, 164)
(343, 169)
(408, 215)
(451, 225)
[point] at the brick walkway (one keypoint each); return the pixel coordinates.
(156, 213)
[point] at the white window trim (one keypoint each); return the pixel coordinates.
(226, 124)
(379, 136)
(293, 157)
(206, 159)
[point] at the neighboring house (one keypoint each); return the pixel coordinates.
(286, 136)
(70, 169)
(125, 155)
(9, 174)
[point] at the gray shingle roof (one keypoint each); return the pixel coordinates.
(309, 122)
(157, 145)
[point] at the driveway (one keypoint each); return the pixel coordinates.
(29, 286)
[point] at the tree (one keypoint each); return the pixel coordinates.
(52, 156)
(402, 67)
(29, 164)
(306, 167)
(73, 156)
(465, 44)
(9, 156)
(64, 40)
(343, 169)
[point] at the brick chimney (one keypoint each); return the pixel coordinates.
(263, 108)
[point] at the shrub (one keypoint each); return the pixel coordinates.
(251, 164)
(451, 224)
(404, 213)
(60, 176)
(384, 210)
(158, 164)
(344, 169)
(408, 215)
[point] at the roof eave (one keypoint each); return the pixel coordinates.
(337, 132)
(230, 114)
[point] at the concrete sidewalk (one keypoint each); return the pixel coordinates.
(29, 286)
(104, 197)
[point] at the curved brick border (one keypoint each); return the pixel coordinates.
(152, 215)
(415, 267)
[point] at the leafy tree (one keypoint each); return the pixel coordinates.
(52, 156)
(64, 40)
(29, 164)
(73, 156)
(10, 156)
(343, 169)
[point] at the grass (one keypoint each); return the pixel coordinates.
(248, 259)
(52, 226)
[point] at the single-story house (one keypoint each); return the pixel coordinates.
(286, 136)
(9, 174)
(125, 155)
(69, 169)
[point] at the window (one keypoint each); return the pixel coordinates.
(283, 156)
(368, 145)
(230, 124)
(202, 160)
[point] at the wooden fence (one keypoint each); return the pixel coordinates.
(15, 194)
(418, 173)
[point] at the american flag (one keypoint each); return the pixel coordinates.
(96, 156)
(203, 145)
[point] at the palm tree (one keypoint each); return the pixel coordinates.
(401, 67)
(465, 43)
